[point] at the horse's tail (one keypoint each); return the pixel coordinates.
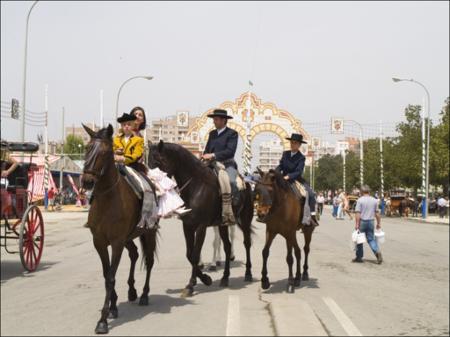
(144, 238)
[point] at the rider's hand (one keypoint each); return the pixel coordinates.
(119, 158)
(286, 177)
(4, 174)
(208, 156)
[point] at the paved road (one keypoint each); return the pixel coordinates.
(406, 295)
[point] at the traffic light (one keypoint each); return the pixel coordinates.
(14, 108)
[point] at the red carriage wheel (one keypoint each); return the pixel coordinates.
(31, 238)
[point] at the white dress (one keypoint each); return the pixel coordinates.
(169, 200)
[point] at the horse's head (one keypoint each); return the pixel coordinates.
(98, 152)
(157, 157)
(264, 193)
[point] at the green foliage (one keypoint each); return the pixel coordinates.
(73, 146)
(402, 157)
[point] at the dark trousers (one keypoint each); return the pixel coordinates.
(320, 208)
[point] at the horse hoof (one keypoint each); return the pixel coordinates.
(132, 295)
(265, 284)
(305, 277)
(187, 292)
(297, 282)
(206, 280)
(102, 328)
(143, 300)
(290, 289)
(232, 258)
(224, 282)
(113, 313)
(248, 278)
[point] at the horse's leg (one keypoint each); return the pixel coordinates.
(200, 234)
(232, 235)
(216, 250)
(307, 233)
(117, 250)
(102, 250)
(265, 284)
(189, 238)
(298, 256)
(148, 245)
(247, 244)
(133, 254)
(223, 230)
(290, 262)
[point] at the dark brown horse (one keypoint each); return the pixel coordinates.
(279, 207)
(113, 216)
(200, 192)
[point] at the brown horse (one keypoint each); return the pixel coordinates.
(200, 192)
(279, 207)
(114, 213)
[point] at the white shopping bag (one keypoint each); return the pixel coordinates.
(379, 236)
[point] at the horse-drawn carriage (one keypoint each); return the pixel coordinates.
(21, 219)
(398, 202)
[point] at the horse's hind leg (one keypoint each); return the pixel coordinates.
(148, 241)
(248, 244)
(223, 230)
(307, 232)
(133, 254)
(265, 284)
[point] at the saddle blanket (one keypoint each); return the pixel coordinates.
(143, 190)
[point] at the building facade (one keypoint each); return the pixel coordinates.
(270, 153)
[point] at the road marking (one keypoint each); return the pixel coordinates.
(342, 318)
(234, 316)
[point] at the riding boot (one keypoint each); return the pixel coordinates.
(227, 210)
(314, 221)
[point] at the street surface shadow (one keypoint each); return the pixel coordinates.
(234, 283)
(13, 269)
(159, 304)
(280, 286)
(233, 264)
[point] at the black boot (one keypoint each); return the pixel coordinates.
(314, 221)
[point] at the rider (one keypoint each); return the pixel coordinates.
(128, 147)
(221, 146)
(291, 166)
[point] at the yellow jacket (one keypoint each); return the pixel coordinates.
(132, 151)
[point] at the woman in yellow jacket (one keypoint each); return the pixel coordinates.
(128, 148)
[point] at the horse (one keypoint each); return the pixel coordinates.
(201, 193)
(216, 260)
(279, 207)
(113, 216)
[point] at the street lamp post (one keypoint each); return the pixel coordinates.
(120, 89)
(425, 147)
(24, 87)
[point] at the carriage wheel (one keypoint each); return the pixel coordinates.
(31, 238)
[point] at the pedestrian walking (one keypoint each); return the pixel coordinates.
(51, 198)
(366, 212)
(320, 202)
(335, 205)
(442, 206)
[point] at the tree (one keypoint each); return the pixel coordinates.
(74, 146)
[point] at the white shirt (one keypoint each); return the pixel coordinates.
(320, 199)
(219, 131)
(293, 153)
(442, 202)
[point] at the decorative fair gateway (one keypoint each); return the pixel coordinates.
(264, 117)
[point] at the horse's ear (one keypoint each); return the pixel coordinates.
(261, 173)
(160, 145)
(89, 131)
(110, 130)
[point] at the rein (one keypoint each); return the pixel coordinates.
(109, 188)
(185, 184)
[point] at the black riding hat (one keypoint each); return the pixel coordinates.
(126, 118)
(297, 137)
(220, 113)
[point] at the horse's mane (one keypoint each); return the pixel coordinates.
(279, 180)
(186, 159)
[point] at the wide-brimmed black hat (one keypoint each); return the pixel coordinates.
(126, 118)
(220, 113)
(297, 137)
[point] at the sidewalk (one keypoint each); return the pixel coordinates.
(433, 219)
(65, 209)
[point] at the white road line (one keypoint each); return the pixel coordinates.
(342, 318)
(234, 316)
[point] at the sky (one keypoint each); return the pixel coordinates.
(313, 59)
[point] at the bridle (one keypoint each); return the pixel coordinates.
(90, 162)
